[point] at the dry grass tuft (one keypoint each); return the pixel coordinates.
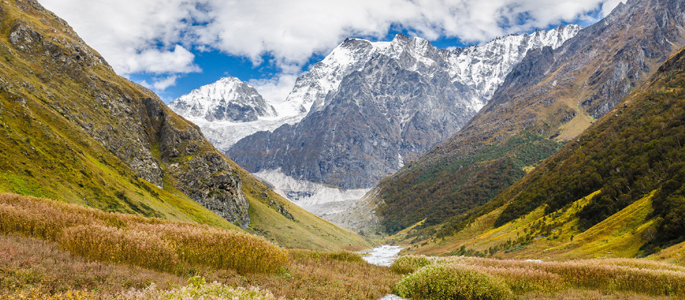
(147, 242)
(345, 256)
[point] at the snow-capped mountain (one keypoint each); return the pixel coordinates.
(228, 99)
(227, 111)
(485, 67)
(371, 106)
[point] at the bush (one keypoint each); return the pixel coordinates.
(452, 282)
(409, 264)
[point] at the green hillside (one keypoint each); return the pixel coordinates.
(615, 191)
(74, 131)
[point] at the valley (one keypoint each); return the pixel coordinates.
(547, 164)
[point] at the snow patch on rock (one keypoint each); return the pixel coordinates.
(319, 199)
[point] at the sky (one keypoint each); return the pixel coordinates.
(175, 46)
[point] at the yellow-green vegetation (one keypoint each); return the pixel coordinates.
(409, 263)
(452, 281)
(446, 278)
(674, 254)
(150, 243)
(556, 235)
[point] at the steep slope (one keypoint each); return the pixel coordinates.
(550, 94)
(616, 190)
(74, 131)
(376, 105)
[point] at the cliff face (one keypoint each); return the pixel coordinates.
(47, 66)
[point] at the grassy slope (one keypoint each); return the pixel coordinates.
(46, 154)
(621, 235)
(438, 190)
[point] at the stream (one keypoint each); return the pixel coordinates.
(382, 256)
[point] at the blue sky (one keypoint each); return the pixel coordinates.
(174, 46)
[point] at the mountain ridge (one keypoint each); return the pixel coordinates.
(544, 94)
(411, 93)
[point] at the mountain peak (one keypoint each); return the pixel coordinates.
(228, 99)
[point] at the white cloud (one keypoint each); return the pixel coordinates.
(275, 90)
(154, 35)
(161, 84)
(156, 61)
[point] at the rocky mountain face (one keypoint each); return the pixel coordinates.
(616, 189)
(372, 106)
(228, 99)
(552, 93)
(68, 89)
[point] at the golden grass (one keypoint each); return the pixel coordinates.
(30, 266)
(322, 276)
(346, 256)
(588, 295)
(198, 289)
(620, 275)
(147, 242)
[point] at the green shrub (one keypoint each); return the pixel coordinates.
(452, 282)
(408, 264)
